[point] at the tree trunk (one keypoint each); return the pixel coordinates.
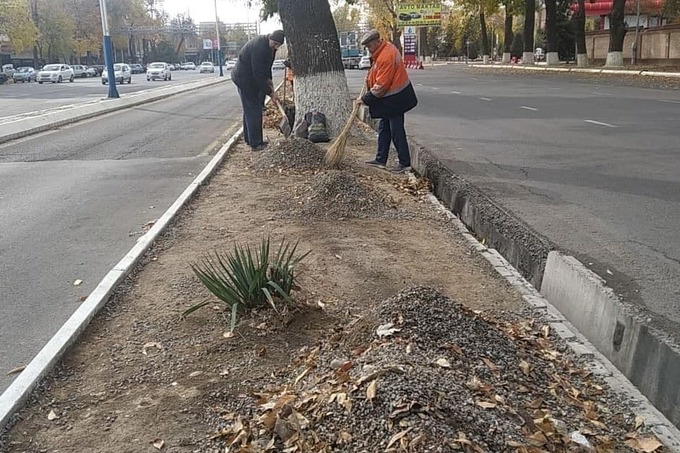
(580, 35)
(320, 81)
(508, 35)
(485, 35)
(529, 23)
(551, 31)
(617, 32)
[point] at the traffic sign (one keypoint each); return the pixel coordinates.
(409, 31)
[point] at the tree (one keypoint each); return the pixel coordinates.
(16, 24)
(617, 33)
(508, 32)
(383, 17)
(529, 24)
(346, 18)
(551, 31)
(57, 27)
(517, 47)
(314, 50)
(579, 21)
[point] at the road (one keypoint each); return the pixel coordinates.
(19, 98)
(74, 201)
(593, 167)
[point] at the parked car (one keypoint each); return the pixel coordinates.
(121, 73)
(206, 66)
(3, 78)
(137, 68)
(25, 74)
(189, 66)
(92, 71)
(8, 70)
(99, 68)
(158, 70)
(231, 64)
(278, 65)
(79, 71)
(365, 62)
(55, 73)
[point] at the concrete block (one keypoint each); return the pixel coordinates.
(580, 349)
(494, 258)
(562, 331)
(535, 301)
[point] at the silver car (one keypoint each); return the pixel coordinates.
(158, 71)
(121, 71)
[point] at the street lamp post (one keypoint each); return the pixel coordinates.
(219, 46)
(633, 58)
(108, 51)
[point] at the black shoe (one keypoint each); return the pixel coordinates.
(375, 163)
(260, 147)
(401, 168)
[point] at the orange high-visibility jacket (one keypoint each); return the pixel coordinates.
(387, 75)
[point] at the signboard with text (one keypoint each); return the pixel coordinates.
(420, 14)
(207, 44)
(410, 48)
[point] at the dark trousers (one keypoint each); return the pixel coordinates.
(252, 103)
(391, 130)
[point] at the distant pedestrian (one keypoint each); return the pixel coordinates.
(253, 77)
(389, 95)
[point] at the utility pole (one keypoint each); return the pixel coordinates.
(217, 32)
(633, 58)
(108, 52)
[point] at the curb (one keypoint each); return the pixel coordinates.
(520, 67)
(25, 124)
(18, 392)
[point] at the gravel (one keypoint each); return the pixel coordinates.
(291, 153)
(437, 378)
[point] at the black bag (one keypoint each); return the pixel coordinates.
(316, 127)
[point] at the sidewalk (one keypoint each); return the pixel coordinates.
(141, 379)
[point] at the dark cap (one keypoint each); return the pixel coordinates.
(370, 36)
(277, 36)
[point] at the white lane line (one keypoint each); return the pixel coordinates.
(670, 101)
(485, 99)
(599, 123)
(435, 88)
(528, 108)
(599, 93)
(455, 92)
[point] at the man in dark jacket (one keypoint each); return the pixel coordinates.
(389, 95)
(253, 78)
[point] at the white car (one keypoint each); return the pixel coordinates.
(365, 62)
(79, 71)
(158, 70)
(231, 64)
(189, 66)
(55, 73)
(206, 66)
(121, 71)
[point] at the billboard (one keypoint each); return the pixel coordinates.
(207, 44)
(419, 14)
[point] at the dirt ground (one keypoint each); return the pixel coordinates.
(142, 379)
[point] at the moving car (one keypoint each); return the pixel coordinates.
(121, 72)
(79, 71)
(231, 64)
(189, 66)
(206, 66)
(25, 74)
(137, 68)
(158, 70)
(55, 73)
(365, 62)
(278, 65)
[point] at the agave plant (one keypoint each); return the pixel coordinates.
(245, 279)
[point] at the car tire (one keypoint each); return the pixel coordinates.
(39, 83)
(129, 80)
(170, 78)
(72, 79)
(148, 79)
(103, 82)
(59, 79)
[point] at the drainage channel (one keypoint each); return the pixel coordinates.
(619, 331)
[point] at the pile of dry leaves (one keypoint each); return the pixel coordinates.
(435, 377)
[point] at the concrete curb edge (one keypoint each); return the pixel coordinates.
(519, 67)
(12, 399)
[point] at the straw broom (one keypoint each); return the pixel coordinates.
(336, 151)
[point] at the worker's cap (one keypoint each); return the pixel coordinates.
(370, 36)
(277, 36)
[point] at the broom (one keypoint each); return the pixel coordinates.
(336, 151)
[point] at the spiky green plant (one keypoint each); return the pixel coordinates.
(245, 279)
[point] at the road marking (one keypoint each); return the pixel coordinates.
(455, 92)
(669, 101)
(599, 123)
(485, 99)
(528, 108)
(599, 93)
(435, 88)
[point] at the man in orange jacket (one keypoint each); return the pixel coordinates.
(389, 95)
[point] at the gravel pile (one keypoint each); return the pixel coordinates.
(291, 153)
(436, 378)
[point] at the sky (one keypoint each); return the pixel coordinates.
(228, 11)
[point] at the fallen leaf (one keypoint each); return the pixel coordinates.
(158, 443)
(499, 399)
(78, 282)
(372, 390)
(525, 367)
(443, 363)
(545, 331)
(16, 370)
(536, 404)
(396, 437)
(486, 404)
(196, 373)
(645, 445)
(409, 348)
(262, 351)
(474, 383)
(228, 334)
(224, 372)
(320, 304)
(492, 366)
(151, 344)
(386, 330)
(338, 256)
(639, 421)
(52, 415)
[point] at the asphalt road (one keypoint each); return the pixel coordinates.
(74, 201)
(591, 165)
(18, 98)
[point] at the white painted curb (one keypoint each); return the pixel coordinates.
(579, 70)
(18, 392)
